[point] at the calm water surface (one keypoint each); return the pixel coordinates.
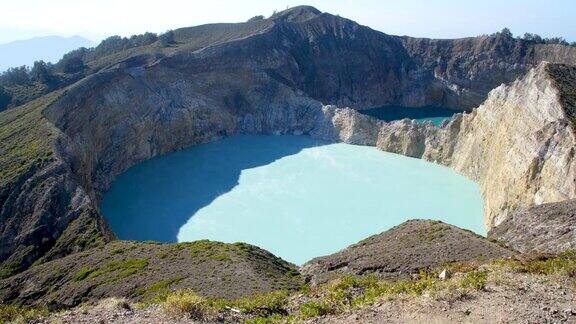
(292, 195)
(436, 115)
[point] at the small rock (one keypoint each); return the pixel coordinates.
(444, 275)
(467, 312)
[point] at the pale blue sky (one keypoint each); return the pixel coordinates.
(438, 19)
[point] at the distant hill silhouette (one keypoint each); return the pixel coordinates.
(48, 49)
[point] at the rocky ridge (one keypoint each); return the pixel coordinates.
(404, 250)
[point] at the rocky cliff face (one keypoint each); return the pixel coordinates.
(519, 145)
(42, 205)
(460, 73)
(273, 77)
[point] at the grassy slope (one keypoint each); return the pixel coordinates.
(187, 39)
(347, 294)
(143, 270)
(26, 139)
(26, 144)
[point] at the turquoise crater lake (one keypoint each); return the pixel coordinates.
(291, 195)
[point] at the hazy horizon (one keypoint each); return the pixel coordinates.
(417, 18)
(45, 48)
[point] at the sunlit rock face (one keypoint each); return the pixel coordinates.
(519, 145)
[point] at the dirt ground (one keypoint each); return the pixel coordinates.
(507, 298)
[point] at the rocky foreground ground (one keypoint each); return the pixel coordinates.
(419, 271)
(537, 290)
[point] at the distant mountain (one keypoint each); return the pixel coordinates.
(48, 49)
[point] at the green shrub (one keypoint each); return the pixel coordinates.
(314, 309)
(117, 251)
(544, 264)
(83, 273)
(8, 270)
(125, 268)
(213, 250)
(424, 282)
(162, 255)
(157, 288)
(270, 320)
(185, 304)
(265, 304)
(474, 280)
(220, 257)
(20, 314)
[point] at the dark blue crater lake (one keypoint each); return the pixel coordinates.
(294, 196)
(436, 115)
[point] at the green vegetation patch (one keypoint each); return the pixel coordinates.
(474, 280)
(263, 307)
(26, 139)
(83, 273)
(264, 304)
(20, 314)
(216, 251)
(123, 268)
(8, 269)
(185, 304)
(314, 309)
(157, 288)
(543, 264)
(117, 250)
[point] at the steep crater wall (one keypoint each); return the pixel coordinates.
(519, 145)
(107, 133)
